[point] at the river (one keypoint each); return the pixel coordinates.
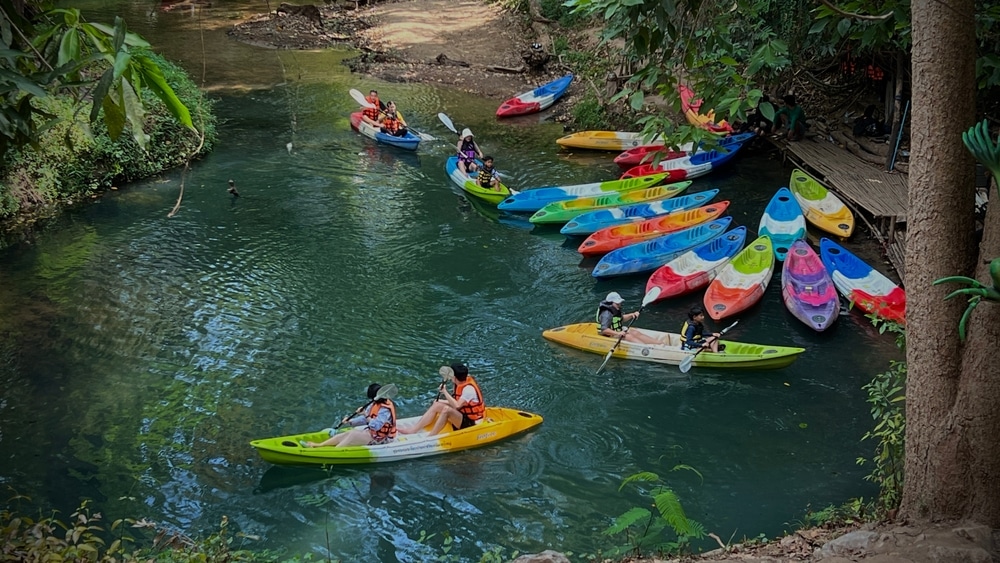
(140, 353)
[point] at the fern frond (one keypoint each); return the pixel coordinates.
(681, 466)
(623, 522)
(646, 476)
(697, 529)
(671, 510)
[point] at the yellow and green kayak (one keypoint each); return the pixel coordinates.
(605, 140)
(584, 336)
(564, 211)
(499, 423)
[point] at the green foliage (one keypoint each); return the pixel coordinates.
(559, 11)
(886, 395)
(644, 530)
(832, 516)
(589, 113)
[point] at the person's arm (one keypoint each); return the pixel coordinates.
(479, 152)
(458, 148)
(380, 420)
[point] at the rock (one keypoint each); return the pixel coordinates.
(847, 545)
(547, 556)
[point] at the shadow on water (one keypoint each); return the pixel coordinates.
(381, 481)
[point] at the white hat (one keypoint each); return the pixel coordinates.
(467, 133)
(614, 297)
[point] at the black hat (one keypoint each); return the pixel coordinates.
(373, 390)
(460, 369)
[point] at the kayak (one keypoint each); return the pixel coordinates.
(535, 100)
(605, 140)
(468, 183)
(697, 267)
(687, 167)
(783, 222)
(654, 253)
(806, 288)
(408, 141)
(613, 238)
(536, 198)
(861, 284)
(563, 211)
(692, 108)
(593, 221)
(644, 153)
(741, 283)
(499, 423)
(820, 207)
(584, 336)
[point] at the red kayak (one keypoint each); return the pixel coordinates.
(644, 154)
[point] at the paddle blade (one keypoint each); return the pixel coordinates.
(687, 362)
(360, 98)
(387, 392)
(446, 373)
(447, 123)
(651, 295)
(611, 352)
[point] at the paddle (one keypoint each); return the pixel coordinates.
(686, 363)
(646, 300)
(446, 374)
(447, 123)
(360, 98)
(385, 392)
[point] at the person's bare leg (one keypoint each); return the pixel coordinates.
(331, 441)
(452, 416)
(424, 419)
(637, 336)
(356, 437)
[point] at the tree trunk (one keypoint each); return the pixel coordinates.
(952, 461)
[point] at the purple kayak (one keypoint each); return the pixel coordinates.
(807, 288)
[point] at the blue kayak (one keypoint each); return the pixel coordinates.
(654, 253)
(533, 199)
(594, 221)
(783, 221)
(409, 141)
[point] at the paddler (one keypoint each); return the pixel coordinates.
(610, 321)
(462, 408)
(375, 424)
(692, 333)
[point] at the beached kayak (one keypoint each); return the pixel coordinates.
(563, 211)
(533, 199)
(806, 288)
(645, 153)
(593, 221)
(500, 423)
(535, 100)
(691, 106)
(687, 167)
(584, 336)
(409, 141)
(613, 238)
(741, 283)
(650, 255)
(821, 208)
(869, 289)
(468, 183)
(697, 267)
(605, 140)
(783, 221)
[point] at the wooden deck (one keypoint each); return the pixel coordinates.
(876, 197)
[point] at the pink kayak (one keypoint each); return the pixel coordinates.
(806, 288)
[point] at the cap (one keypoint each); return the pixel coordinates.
(373, 390)
(614, 297)
(467, 133)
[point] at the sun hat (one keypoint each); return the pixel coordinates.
(614, 297)
(467, 133)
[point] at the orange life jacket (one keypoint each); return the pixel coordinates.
(475, 410)
(388, 431)
(391, 122)
(372, 112)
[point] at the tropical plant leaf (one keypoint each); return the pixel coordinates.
(642, 476)
(153, 78)
(623, 522)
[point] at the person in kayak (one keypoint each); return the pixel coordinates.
(375, 425)
(610, 319)
(463, 407)
(488, 175)
(693, 331)
(391, 122)
(468, 152)
(371, 115)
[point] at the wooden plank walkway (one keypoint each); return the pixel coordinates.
(876, 197)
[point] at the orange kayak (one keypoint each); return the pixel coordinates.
(613, 238)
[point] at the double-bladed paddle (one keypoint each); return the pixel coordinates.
(646, 300)
(360, 98)
(385, 392)
(688, 360)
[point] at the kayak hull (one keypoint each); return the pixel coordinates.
(697, 267)
(605, 140)
(742, 282)
(499, 423)
(738, 355)
(611, 239)
(783, 222)
(593, 221)
(536, 198)
(691, 106)
(821, 208)
(468, 184)
(866, 287)
(645, 153)
(408, 142)
(654, 253)
(564, 211)
(806, 288)
(535, 100)
(694, 165)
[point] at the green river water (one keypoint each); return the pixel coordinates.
(141, 354)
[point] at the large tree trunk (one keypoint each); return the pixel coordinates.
(952, 461)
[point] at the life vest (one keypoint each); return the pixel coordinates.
(468, 151)
(388, 431)
(486, 177)
(391, 123)
(616, 316)
(697, 332)
(474, 411)
(372, 112)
